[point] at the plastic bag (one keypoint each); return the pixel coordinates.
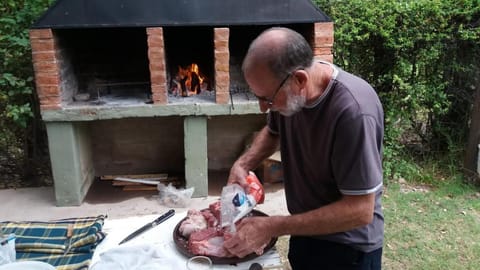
(237, 202)
(173, 197)
(7, 249)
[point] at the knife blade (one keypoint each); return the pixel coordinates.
(149, 226)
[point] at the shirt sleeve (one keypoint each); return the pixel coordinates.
(357, 155)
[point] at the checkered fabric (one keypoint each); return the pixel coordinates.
(48, 241)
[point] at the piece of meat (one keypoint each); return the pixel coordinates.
(215, 209)
(195, 221)
(208, 242)
(212, 221)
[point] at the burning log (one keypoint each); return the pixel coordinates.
(188, 80)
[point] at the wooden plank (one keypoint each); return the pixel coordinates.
(148, 181)
(136, 176)
(118, 183)
(139, 188)
(174, 180)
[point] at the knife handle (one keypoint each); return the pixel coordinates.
(163, 217)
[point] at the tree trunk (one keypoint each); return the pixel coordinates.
(471, 155)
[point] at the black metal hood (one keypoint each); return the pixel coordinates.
(144, 13)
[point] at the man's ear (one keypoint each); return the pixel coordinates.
(300, 78)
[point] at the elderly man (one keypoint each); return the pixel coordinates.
(329, 124)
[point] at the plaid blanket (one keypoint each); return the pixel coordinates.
(49, 241)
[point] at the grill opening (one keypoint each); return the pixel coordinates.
(104, 65)
(189, 57)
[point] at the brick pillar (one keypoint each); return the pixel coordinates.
(323, 41)
(45, 65)
(222, 65)
(156, 57)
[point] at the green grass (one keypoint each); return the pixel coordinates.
(432, 228)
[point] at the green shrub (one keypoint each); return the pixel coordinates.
(422, 58)
(20, 121)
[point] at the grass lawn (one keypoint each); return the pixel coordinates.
(432, 227)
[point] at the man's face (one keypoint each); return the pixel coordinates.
(294, 104)
(275, 95)
(281, 98)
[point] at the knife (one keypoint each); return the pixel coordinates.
(149, 225)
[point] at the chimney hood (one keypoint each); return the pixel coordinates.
(151, 13)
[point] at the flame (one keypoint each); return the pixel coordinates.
(189, 80)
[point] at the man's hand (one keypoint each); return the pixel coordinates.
(252, 236)
(238, 175)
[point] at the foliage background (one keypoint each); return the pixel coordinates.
(22, 135)
(422, 58)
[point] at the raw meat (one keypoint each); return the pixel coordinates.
(208, 242)
(203, 231)
(195, 221)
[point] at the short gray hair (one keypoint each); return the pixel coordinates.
(293, 53)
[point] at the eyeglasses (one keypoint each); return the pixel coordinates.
(269, 101)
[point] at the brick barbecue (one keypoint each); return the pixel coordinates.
(107, 68)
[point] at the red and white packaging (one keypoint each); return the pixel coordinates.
(236, 202)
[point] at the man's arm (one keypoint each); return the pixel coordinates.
(343, 215)
(350, 212)
(264, 145)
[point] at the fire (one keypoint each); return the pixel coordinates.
(189, 81)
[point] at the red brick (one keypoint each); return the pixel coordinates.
(156, 50)
(154, 55)
(324, 29)
(159, 97)
(222, 97)
(49, 100)
(159, 94)
(40, 45)
(156, 43)
(50, 107)
(158, 66)
(322, 50)
(221, 44)
(222, 77)
(40, 33)
(158, 88)
(222, 67)
(157, 77)
(155, 31)
(222, 57)
(45, 66)
(323, 41)
(221, 33)
(47, 78)
(48, 90)
(43, 56)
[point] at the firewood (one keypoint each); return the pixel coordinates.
(156, 176)
(139, 188)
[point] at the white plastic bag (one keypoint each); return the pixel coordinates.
(173, 197)
(7, 249)
(235, 204)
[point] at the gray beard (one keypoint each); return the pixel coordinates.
(295, 103)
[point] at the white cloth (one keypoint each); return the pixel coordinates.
(135, 257)
(27, 265)
(155, 245)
